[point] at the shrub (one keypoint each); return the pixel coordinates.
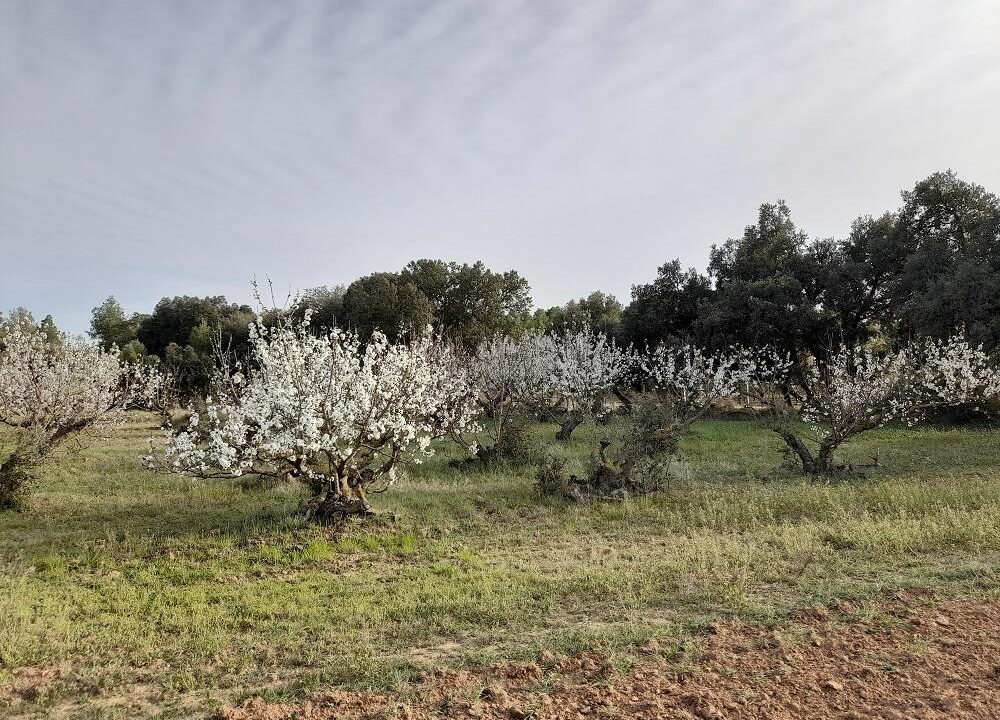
(340, 415)
(636, 462)
(855, 391)
(54, 387)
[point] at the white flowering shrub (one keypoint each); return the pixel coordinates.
(580, 368)
(688, 381)
(855, 391)
(160, 392)
(453, 384)
(506, 373)
(56, 389)
(563, 377)
(954, 373)
(340, 415)
(681, 384)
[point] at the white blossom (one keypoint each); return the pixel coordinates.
(327, 408)
(504, 372)
(691, 380)
(856, 390)
(54, 390)
(864, 389)
(67, 385)
(562, 376)
(508, 372)
(580, 366)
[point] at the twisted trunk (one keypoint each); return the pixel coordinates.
(335, 509)
(567, 427)
(344, 498)
(824, 458)
(819, 464)
(809, 464)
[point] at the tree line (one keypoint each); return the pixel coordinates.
(343, 414)
(347, 385)
(926, 269)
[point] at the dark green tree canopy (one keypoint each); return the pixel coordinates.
(600, 311)
(182, 331)
(930, 268)
(667, 308)
(386, 302)
(174, 319)
(772, 247)
(109, 325)
(326, 304)
(859, 276)
(471, 302)
(951, 275)
(768, 288)
(465, 302)
(434, 278)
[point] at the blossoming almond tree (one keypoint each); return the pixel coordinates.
(506, 373)
(688, 381)
(682, 383)
(562, 377)
(338, 414)
(579, 369)
(855, 391)
(53, 390)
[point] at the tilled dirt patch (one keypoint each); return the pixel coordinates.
(910, 659)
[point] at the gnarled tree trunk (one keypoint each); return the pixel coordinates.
(809, 464)
(819, 464)
(344, 498)
(824, 458)
(567, 427)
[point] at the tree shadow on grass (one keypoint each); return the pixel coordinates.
(64, 522)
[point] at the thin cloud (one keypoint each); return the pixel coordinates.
(165, 147)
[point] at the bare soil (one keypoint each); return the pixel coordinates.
(911, 657)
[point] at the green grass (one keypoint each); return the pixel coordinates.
(155, 595)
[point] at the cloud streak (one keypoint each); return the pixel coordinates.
(166, 147)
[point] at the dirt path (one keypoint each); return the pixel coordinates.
(914, 659)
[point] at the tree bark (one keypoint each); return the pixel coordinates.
(567, 428)
(809, 463)
(824, 459)
(819, 464)
(344, 498)
(336, 508)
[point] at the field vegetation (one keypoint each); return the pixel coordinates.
(136, 594)
(212, 502)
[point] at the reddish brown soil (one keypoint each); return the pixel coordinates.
(916, 659)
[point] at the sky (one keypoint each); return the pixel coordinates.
(171, 147)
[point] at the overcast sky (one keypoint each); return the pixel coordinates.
(165, 147)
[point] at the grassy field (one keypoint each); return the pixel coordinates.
(138, 594)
